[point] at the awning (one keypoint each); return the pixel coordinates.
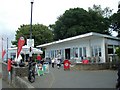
(25, 50)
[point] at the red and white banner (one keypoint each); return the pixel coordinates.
(21, 42)
(3, 51)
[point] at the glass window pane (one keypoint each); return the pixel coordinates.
(76, 52)
(84, 51)
(71, 53)
(100, 52)
(92, 51)
(80, 52)
(110, 50)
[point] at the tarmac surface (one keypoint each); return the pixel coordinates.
(58, 78)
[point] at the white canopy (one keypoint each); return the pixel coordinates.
(25, 50)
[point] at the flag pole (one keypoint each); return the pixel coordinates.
(7, 48)
(2, 47)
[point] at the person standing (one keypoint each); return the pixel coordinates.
(59, 59)
(58, 63)
(39, 58)
(53, 61)
(9, 67)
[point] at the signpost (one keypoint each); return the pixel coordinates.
(30, 42)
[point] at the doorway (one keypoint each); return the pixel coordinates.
(67, 53)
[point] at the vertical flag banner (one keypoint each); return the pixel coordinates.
(3, 53)
(21, 42)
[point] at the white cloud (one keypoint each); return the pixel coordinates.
(14, 13)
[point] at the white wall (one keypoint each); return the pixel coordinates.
(83, 42)
(112, 42)
(87, 42)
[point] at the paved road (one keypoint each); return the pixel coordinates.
(58, 78)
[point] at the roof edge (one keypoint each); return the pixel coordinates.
(79, 36)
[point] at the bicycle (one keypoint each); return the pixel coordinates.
(31, 76)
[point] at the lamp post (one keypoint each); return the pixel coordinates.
(31, 1)
(30, 51)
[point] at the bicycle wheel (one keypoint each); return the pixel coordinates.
(31, 78)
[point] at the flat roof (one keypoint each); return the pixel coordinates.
(78, 37)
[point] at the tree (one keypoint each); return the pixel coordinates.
(118, 52)
(106, 12)
(40, 33)
(101, 20)
(115, 22)
(78, 21)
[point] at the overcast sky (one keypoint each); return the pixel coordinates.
(14, 13)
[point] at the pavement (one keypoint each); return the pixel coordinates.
(3, 84)
(58, 78)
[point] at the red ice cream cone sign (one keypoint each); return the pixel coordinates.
(21, 42)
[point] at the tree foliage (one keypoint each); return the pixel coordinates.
(78, 21)
(40, 33)
(118, 52)
(106, 12)
(115, 22)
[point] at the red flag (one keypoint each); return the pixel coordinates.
(3, 53)
(21, 42)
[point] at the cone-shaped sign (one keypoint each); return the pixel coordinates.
(21, 42)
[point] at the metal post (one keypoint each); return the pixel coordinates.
(2, 47)
(31, 21)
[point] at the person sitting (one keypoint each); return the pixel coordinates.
(40, 70)
(21, 64)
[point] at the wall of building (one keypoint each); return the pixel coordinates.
(113, 42)
(91, 43)
(87, 42)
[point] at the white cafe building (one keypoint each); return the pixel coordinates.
(83, 46)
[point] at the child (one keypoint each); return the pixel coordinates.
(40, 70)
(58, 63)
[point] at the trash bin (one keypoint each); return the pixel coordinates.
(67, 64)
(46, 67)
